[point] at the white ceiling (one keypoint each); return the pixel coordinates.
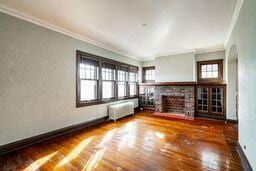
(172, 26)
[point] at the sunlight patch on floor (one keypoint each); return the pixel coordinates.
(76, 151)
(38, 163)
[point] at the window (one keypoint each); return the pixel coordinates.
(122, 81)
(133, 78)
(100, 80)
(108, 81)
(148, 74)
(210, 71)
(89, 79)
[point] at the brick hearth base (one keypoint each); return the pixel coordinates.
(173, 116)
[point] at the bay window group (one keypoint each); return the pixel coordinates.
(101, 80)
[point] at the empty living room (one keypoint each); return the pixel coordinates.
(128, 85)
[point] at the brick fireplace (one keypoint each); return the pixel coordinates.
(173, 104)
(175, 100)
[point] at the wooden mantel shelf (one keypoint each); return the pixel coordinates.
(192, 83)
(188, 83)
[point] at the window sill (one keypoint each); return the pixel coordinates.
(83, 104)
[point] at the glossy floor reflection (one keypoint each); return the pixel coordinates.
(140, 142)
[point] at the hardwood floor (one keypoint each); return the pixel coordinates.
(140, 142)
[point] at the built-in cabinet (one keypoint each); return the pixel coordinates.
(210, 101)
(147, 97)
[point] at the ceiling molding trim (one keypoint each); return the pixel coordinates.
(175, 53)
(209, 51)
(42, 23)
(232, 24)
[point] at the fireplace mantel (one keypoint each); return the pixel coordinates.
(188, 83)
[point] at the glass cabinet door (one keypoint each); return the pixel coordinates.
(211, 101)
(202, 99)
(147, 96)
(150, 97)
(217, 100)
(143, 96)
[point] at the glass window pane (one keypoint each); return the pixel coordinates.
(122, 76)
(203, 67)
(209, 71)
(121, 89)
(108, 74)
(215, 74)
(209, 67)
(133, 89)
(88, 90)
(203, 74)
(150, 75)
(108, 89)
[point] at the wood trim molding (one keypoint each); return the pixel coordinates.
(47, 136)
(232, 24)
(244, 161)
(192, 83)
(61, 30)
(232, 121)
(14, 146)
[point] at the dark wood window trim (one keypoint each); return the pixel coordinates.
(101, 61)
(144, 69)
(210, 80)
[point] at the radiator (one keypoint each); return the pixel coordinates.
(120, 110)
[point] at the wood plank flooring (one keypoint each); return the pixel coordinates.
(140, 142)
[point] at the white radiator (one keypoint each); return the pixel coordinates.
(120, 110)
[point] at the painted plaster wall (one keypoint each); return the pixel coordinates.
(37, 80)
(175, 68)
(149, 63)
(244, 37)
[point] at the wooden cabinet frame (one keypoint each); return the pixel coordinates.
(209, 113)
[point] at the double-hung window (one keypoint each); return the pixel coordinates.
(108, 81)
(101, 80)
(133, 78)
(122, 81)
(88, 79)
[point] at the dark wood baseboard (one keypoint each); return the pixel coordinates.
(47, 136)
(231, 121)
(245, 163)
(217, 117)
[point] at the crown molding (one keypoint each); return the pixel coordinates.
(195, 51)
(209, 51)
(45, 24)
(167, 54)
(42, 23)
(232, 24)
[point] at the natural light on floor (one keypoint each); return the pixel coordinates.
(75, 152)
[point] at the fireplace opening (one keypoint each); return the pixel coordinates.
(173, 104)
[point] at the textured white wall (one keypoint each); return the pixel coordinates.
(231, 89)
(175, 68)
(37, 80)
(244, 37)
(210, 55)
(149, 63)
